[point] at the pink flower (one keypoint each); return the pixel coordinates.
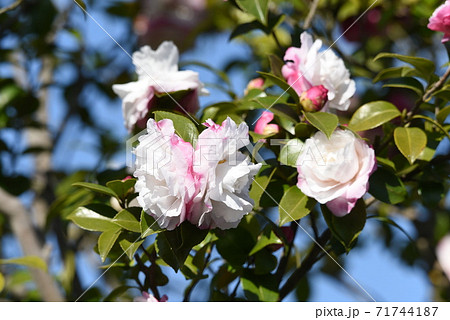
(306, 67)
(146, 297)
(225, 176)
(314, 98)
(440, 20)
(443, 254)
(262, 125)
(335, 171)
(158, 74)
(165, 181)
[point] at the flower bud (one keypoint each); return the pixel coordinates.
(256, 83)
(262, 125)
(314, 99)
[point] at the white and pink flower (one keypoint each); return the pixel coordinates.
(165, 181)
(157, 74)
(306, 68)
(146, 297)
(335, 171)
(225, 174)
(208, 186)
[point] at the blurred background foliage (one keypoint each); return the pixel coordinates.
(57, 127)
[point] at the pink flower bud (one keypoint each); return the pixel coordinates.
(262, 125)
(440, 20)
(314, 99)
(256, 83)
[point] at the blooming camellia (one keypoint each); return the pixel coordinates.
(335, 171)
(165, 181)
(440, 20)
(226, 175)
(157, 74)
(208, 186)
(146, 297)
(306, 67)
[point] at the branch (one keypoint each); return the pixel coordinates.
(311, 13)
(25, 233)
(307, 264)
(12, 6)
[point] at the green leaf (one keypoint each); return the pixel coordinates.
(174, 246)
(406, 83)
(91, 220)
(372, 115)
(260, 184)
(96, 188)
(256, 8)
(304, 130)
(282, 84)
(410, 142)
(275, 65)
(396, 72)
(265, 262)
(117, 292)
(121, 188)
(443, 114)
(325, 122)
(294, 205)
(386, 186)
(424, 66)
(127, 220)
(184, 127)
(290, 152)
(28, 261)
(234, 245)
(260, 287)
(130, 248)
(2, 282)
(244, 28)
(266, 238)
(346, 229)
(106, 242)
(392, 223)
(149, 225)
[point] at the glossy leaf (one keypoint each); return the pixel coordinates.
(234, 245)
(260, 184)
(174, 246)
(304, 130)
(91, 220)
(372, 115)
(395, 72)
(259, 287)
(325, 122)
(257, 8)
(121, 188)
(148, 225)
(406, 83)
(410, 142)
(385, 186)
(346, 229)
(267, 237)
(106, 241)
(290, 152)
(443, 114)
(127, 220)
(130, 248)
(28, 261)
(424, 66)
(282, 84)
(184, 127)
(294, 205)
(96, 188)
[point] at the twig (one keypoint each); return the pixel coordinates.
(12, 6)
(311, 13)
(284, 259)
(313, 256)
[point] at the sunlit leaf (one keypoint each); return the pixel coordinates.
(372, 115)
(294, 205)
(410, 142)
